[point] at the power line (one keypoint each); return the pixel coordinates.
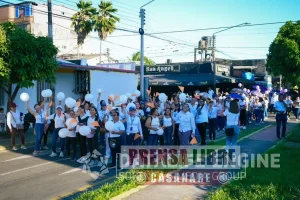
(214, 28)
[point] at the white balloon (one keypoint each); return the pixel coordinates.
(70, 103)
(84, 130)
(99, 90)
(89, 97)
(60, 96)
(48, 93)
(64, 132)
(162, 97)
(44, 93)
(123, 99)
(109, 125)
(182, 97)
(69, 125)
(137, 93)
(24, 97)
(128, 94)
(160, 132)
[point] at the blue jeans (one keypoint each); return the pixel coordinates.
(296, 112)
(257, 114)
(232, 140)
(39, 130)
(123, 136)
(266, 113)
(152, 139)
(249, 116)
(281, 119)
(185, 138)
(54, 140)
(168, 131)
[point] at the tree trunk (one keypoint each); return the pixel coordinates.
(100, 51)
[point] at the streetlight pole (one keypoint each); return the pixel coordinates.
(214, 49)
(142, 68)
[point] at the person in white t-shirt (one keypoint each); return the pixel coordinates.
(202, 119)
(232, 125)
(71, 138)
(212, 119)
(169, 127)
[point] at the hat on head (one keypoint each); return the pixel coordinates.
(103, 104)
(132, 108)
(13, 105)
(58, 107)
(142, 103)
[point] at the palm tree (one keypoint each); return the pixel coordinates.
(82, 21)
(137, 57)
(105, 21)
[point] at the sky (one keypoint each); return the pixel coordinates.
(250, 42)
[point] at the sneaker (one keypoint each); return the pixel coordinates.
(35, 153)
(297, 120)
(79, 160)
(61, 155)
(53, 154)
(288, 118)
(244, 127)
(23, 147)
(250, 122)
(46, 148)
(88, 154)
(14, 148)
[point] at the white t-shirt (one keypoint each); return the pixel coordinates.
(232, 119)
(154, 123)
(122, 114)
(71, 133)
(101, 114)
(40, 118)
(186, 122)
(193, 109)
(133, 125)
(167, 121)
(177, 121)
(118, 126)
(204, 114)
(89, 123)
(59, 121)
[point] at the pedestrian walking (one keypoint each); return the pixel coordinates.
(281, 116)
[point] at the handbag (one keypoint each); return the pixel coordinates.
(18, 126)
(112, 142)
(229, 131)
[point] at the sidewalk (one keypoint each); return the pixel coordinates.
(5, 142)
(257, 143)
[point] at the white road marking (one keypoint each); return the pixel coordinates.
(72, 171)
(18, 158)
(34, 166)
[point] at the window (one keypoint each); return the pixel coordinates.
(22, 11)
(82, 82)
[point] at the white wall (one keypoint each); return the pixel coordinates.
(65, 82)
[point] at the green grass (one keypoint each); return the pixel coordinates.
(268, 183)
(119, 186)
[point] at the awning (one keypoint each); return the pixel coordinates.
(187, 80)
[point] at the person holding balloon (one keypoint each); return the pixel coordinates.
(133, 127)
(71, 137)
(59, 122)
(153, 124)
(81, 119)
(93, 123)
(40, 120)
(122, 116)
(116, 128)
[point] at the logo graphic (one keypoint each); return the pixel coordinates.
(140, 178)
(223, 177)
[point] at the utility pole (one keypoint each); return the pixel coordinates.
(142, 68)
(144, 95)
(214, 63)
(108, 54)
(50, 30)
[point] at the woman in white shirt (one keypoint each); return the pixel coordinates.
(232, 124)
(186, 125)
(202, 120)
(169, 126)
(133, 127)
(81, 121)
(257, 109)
(92, 138)
(39, 125)
(122, 117)
(153, 124)
(115, 136)
(59, 122)
(212, 118)
(175, 112)
(71, 139)
(13, 119)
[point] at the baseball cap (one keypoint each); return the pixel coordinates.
(132, 108)
(13, 105)
(103, 104)
(58, 107)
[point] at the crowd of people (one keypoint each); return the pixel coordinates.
(138, 123)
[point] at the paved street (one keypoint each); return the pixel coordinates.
(26, 177)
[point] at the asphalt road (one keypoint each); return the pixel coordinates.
(23, 176)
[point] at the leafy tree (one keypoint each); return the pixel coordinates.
(82, 21)
(105, 21)
(3, 51)
(27, 58)
(137, 57)
(284, 53)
